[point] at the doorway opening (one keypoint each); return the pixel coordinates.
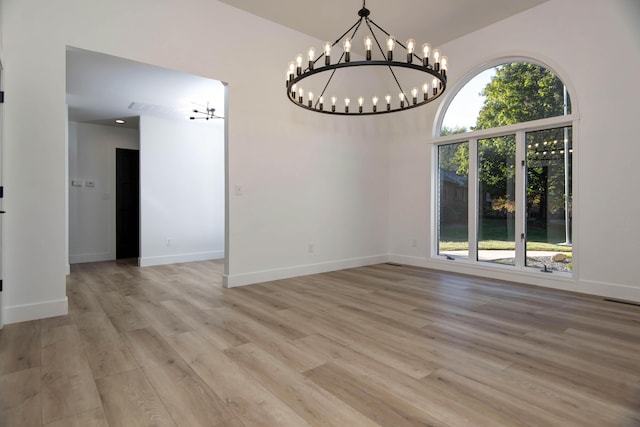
(127, 203)
(165, 206)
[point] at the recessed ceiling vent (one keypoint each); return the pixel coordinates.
(152, 109)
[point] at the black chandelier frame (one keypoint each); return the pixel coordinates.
(422, 64)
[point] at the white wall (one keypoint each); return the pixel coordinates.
(92, 210)
(304, 178)
(182, 190)
(594, 46)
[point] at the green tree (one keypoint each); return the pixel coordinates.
(454, 157)
(444, 131)
(519, 92)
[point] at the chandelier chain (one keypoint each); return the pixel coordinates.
(369, 22)
(357, 27)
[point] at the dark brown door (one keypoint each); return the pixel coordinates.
(127, 203)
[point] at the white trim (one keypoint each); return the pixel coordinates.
(231, 281)
(227, 210)
(40, 310)
(610, 290)
(179, 258)
(558, 281)
(530, 126)
(96, 257)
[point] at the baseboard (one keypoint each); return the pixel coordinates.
(610, 290)
(234, 280)
(41, 310)
(98, 257)
(554, 281)
(179, 258)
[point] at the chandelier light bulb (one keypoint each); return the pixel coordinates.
(436, 59)
(294, 90)
(326, 47)
(321, 103)
(402, 96)
(444, 64)
(425, 91)
(299, 64)
(414, 95)
(411, 45)
(291, 70)
(426, 51)
(360, 102)
(391, 43)
(310, 97)
(300, 95)
(434, 85)
(347, 49)
(374, 101)
(311, 54)
(346, 105)
(388, 99)
(333, 104)
(368, 43)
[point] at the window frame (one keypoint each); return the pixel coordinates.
(519, 130)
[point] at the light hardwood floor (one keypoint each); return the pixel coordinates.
(376, 346)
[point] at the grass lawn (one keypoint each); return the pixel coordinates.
(496, 236)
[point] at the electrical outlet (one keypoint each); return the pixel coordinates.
(169, 242)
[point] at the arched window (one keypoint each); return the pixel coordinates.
(503, 170)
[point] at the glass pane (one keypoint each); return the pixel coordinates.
(549, 193)
(453, 201)
(510, 93)
(496, 199)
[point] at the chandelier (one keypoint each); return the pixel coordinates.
(425, 77)
(208, 114)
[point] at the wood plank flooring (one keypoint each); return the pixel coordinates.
(384, 345)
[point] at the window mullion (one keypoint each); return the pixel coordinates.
(473, 199)
(520, 199)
